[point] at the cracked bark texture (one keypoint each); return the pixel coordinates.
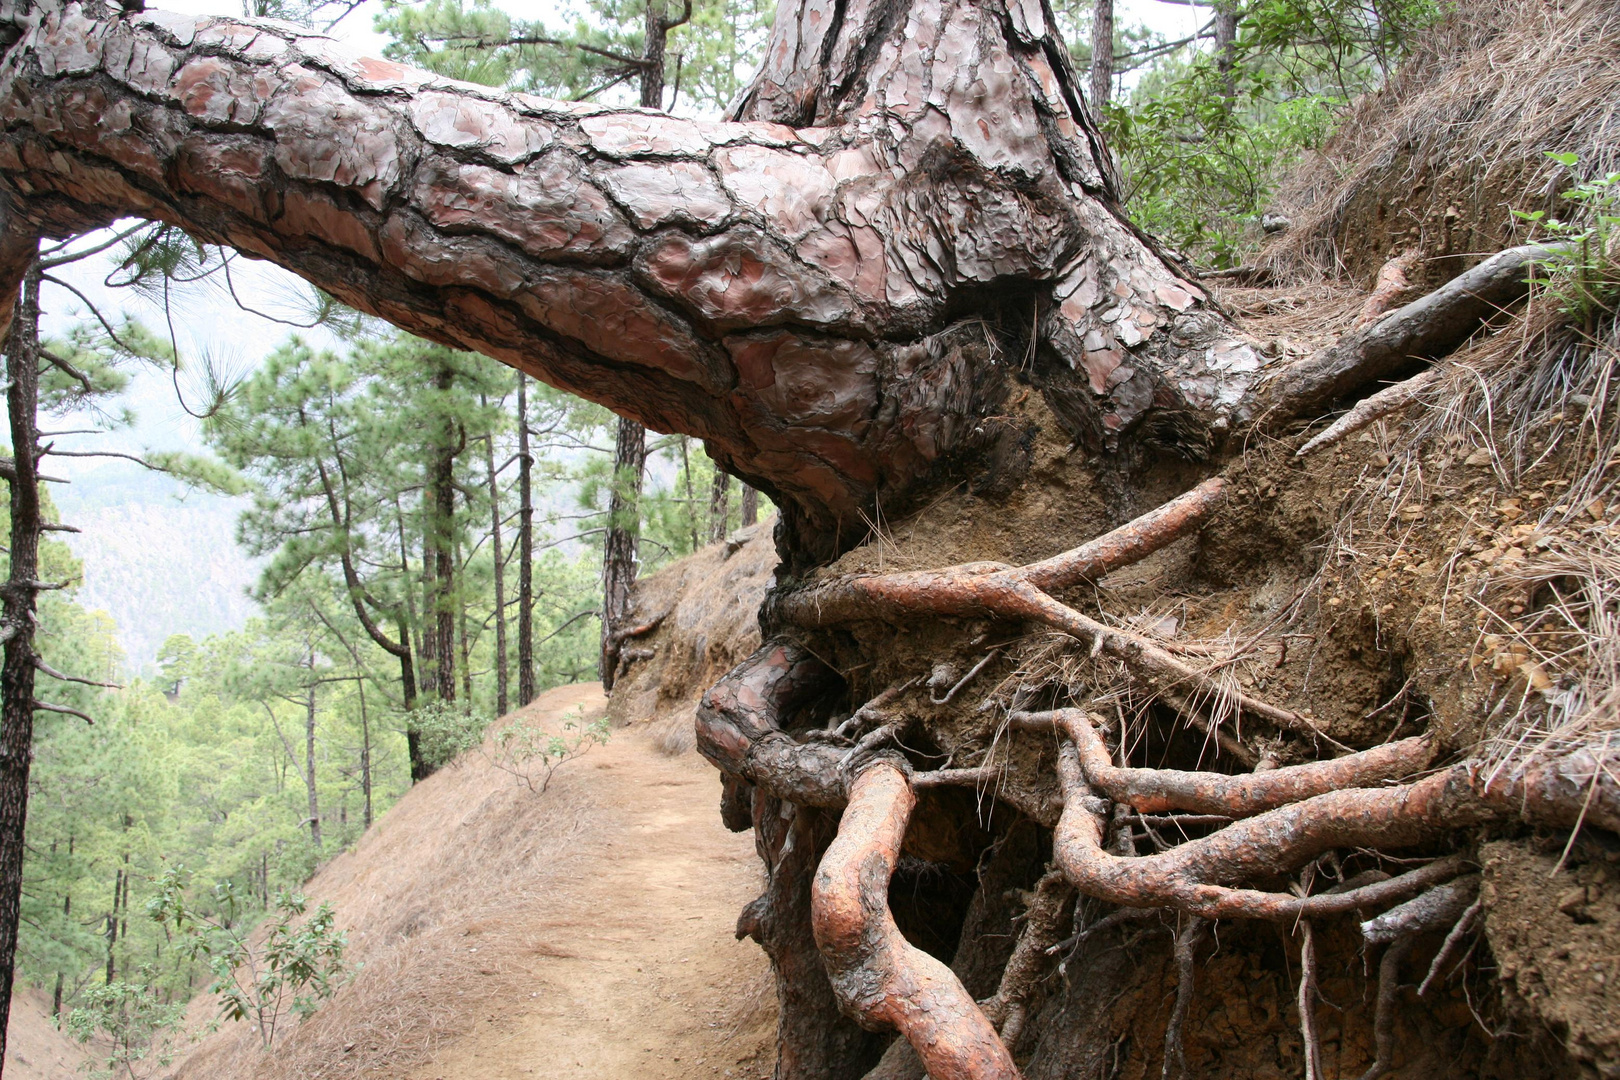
(802, 287)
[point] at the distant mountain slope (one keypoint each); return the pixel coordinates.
(157, 565)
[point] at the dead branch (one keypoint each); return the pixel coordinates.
(1153, 790)
(880, 979)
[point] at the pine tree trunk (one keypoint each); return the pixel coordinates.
(310, 788)
(497, 552)
(719, 505)
(365, 751)
(750, 506)
(619, 545)
(1102, 52)
(441, 492)
(526, 688)
(17, 619)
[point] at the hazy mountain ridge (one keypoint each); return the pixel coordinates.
(156, 564)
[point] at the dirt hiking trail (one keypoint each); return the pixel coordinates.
(504, 932)
(647, 979)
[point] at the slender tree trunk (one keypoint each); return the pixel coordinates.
(17, 623)
(309, 765)
(719, 505)
(1226, 26)
(750, 506)
(526, 688)
(498, 553)
(365, 751)
(440, 532)
(463, 648)
(619, 547)
(691, 495)
(1102, 53)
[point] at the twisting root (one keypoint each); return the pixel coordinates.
(1389, 994)
(1194, 878)
(1454, 942)
(1307, 1001)
(1043, 922)
(993, 589)
(880, 979)
(1155, 790)
(737, 728)
(1175, 1046)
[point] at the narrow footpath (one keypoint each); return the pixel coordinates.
(641, 976)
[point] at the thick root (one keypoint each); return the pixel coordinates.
(737, 727)
(1429, 327)
(1196, 878)
(880, 979)
(1152, 791)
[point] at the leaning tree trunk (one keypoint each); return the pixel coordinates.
(837, 289)
(805, 288)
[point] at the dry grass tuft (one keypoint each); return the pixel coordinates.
(1437, 161)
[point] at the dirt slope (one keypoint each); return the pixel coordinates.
(704, 614)
(35, 1050)
(583, 931)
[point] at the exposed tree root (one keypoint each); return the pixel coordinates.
(1389, 995)
(1175, 1046)
(1429, 327)
(1400, 927)
(813, 1037)
(1195, 877)
(1043, 923)
(1153, 790)
(993, 589)
(737, 728)
(1466, 924)
(1307, 1001)
(1368, 409)
(880, 979)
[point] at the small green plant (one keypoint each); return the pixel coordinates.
(1585, 279)
(136, 1031)
(445, 730)
(298, 965)
(533, 754)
